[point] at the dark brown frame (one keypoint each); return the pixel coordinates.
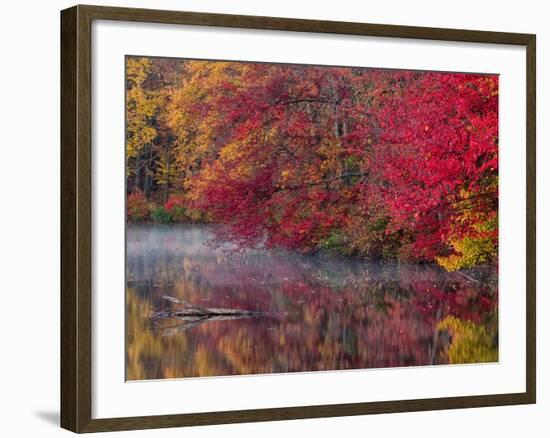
(76, 225)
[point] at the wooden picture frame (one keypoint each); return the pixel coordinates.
(76, 218)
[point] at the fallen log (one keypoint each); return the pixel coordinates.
(193, 312)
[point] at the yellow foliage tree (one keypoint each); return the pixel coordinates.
(141, 107)
(475, 248)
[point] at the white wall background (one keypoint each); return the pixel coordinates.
(29, 216)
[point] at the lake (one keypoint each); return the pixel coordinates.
(318, 312)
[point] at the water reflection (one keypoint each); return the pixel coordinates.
(325, 313)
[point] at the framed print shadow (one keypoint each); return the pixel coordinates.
(270, 218)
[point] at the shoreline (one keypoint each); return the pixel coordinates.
(321, 254)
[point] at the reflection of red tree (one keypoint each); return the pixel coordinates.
(326, 314)
(459, 299)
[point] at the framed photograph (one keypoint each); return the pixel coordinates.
(271, 218)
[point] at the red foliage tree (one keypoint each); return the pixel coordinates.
(369, 161)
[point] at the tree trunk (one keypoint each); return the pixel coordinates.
(137, 177)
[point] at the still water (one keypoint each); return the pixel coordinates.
(318, 312)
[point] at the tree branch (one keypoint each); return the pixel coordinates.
(323, 181)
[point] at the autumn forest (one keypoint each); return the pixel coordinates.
(241, 167)
(370, 163)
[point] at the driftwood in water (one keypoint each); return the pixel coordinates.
(195, 313)
(468, 277)
(200, 312)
